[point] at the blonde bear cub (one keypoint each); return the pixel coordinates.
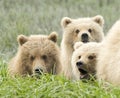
(82, 29)
(108, 66)
(84, 60)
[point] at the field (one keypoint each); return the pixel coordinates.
(42, 17)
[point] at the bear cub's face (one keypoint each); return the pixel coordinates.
(41, 61)
(86, 64)
(38, 53)
(83, 29)
(84, 60)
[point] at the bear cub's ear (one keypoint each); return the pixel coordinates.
(22, 39)
(77, 45)
(53, 37)
(65, 21)
(99, 19)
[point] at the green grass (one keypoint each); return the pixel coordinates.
(42, 17)
(50, 86)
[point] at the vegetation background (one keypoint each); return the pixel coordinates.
(42, 17)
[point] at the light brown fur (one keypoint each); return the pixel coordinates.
(73, 30)
(40, 52)
(85, 54)
(108, 66)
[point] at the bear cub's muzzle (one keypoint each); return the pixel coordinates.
(83, 71)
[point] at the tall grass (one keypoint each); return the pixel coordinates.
(44, 16)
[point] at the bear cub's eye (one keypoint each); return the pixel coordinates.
(77, 31)
(44, 57)
(90, 30)
(79, 57)
(32, 58)
(91, 57)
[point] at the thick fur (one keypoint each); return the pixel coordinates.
(73, 30)
(108, 66)
(86, 54)
(36, 51)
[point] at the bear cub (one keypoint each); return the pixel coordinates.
(108, 66)
(36, 55)
(88, 29)
(84, 60)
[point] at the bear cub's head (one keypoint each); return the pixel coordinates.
(84, 59)
(83, 29)
(38, 53)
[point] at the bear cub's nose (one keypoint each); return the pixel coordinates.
(79, 63)
(39, 71)
(84, 37)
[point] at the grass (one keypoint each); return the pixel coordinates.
(42, 17)
(50, 86)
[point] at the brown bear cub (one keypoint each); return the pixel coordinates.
(36, 55)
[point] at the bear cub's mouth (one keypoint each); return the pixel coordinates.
(83, 74)
(85, 41)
